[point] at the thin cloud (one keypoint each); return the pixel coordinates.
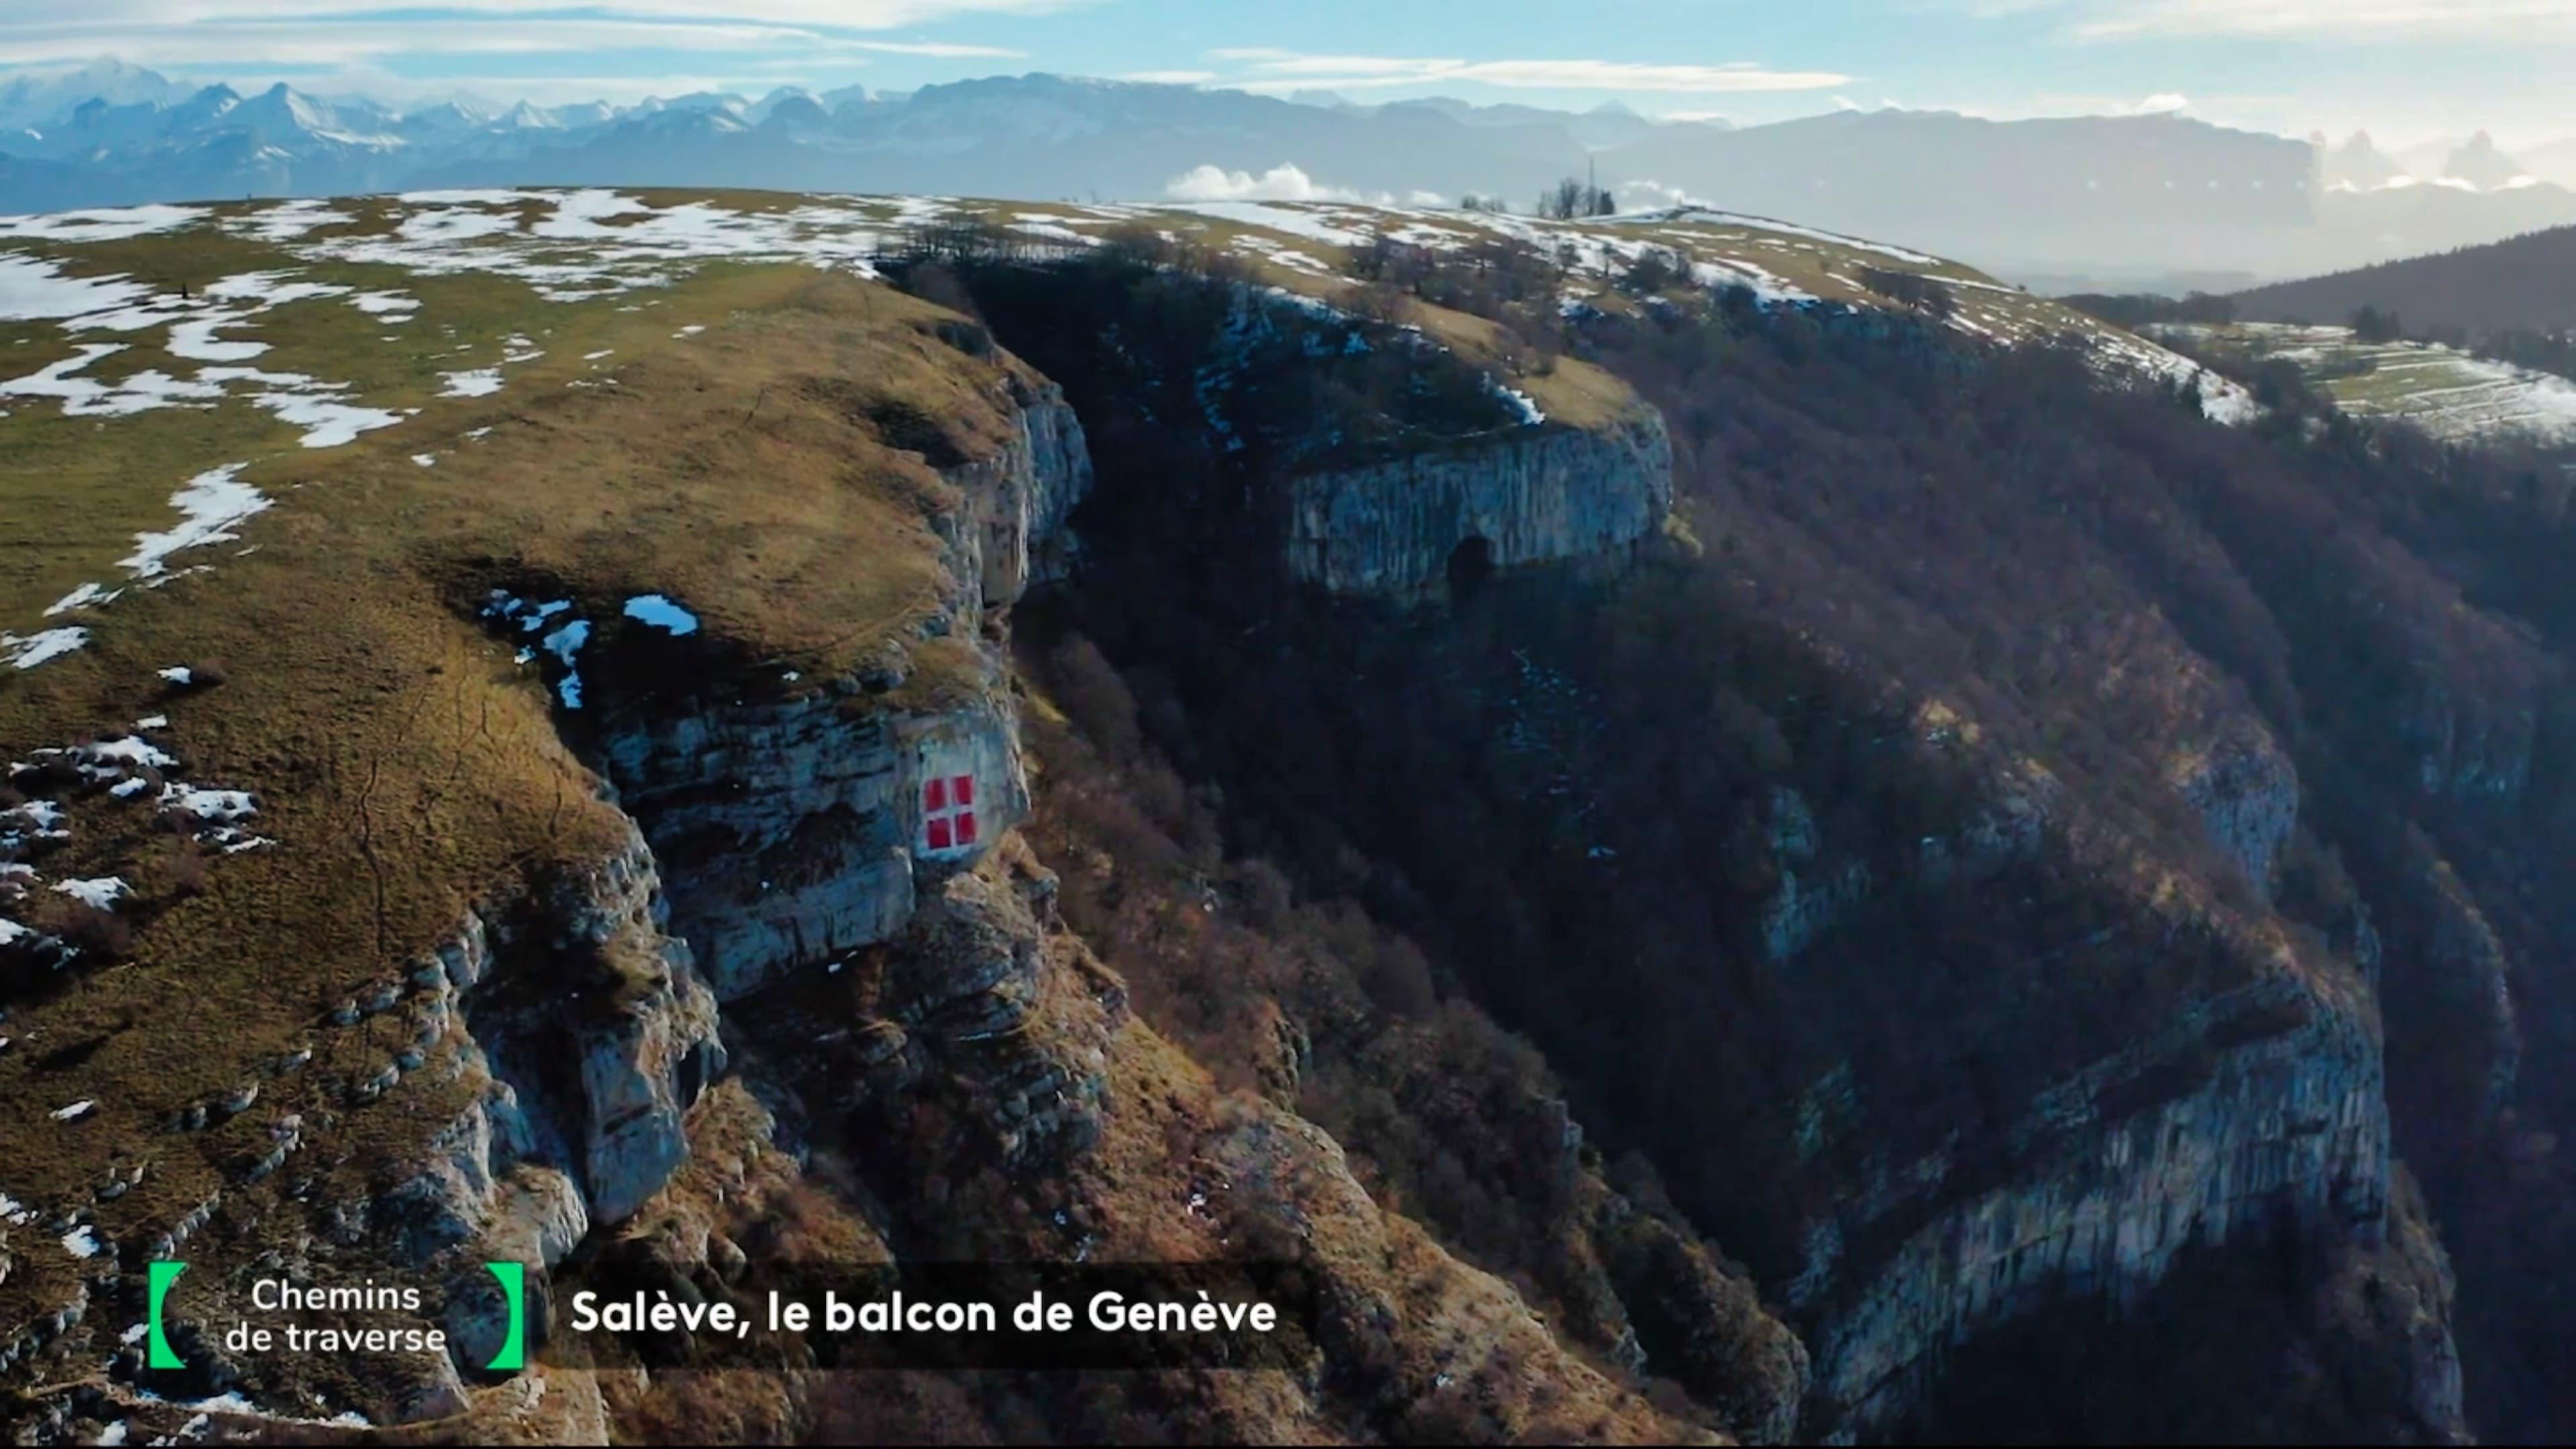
(826, 14)
(188, 33)
(936, 49)
(2326, 20)
(1169, 77)
(360, 43)
(1289, 62)
(1267, 69)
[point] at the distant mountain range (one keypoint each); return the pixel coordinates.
(2473, 164)
(2069, 198)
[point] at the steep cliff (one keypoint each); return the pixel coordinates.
(1370, 447)
(737, 931)
(1539, 495)
(2291, 1128)
(1877, 908)
(1970, 908)
(794, 823)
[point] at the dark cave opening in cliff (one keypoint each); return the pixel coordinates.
(1471, 567)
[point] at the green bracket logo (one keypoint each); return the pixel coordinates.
(514, 1349)
(159, 1354)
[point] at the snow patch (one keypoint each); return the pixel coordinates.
(41, 818)
(33, 289)
(105, 759)
(87, 397)
(101, 892)
(41, 647)
(81, 598)
(225, 806)
(449, 225)
(287, 221)
(263, 290)
(1522, 403)
(661, 613)
(97, 224)
(1703, 216)
(469, 196)
(1735, 272)
(567, 641)
(1281, 218)
(327, 420)
(197, 341)
(209, 507)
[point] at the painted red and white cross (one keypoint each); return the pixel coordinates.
(948, 813)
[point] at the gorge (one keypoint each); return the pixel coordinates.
(1708, 866)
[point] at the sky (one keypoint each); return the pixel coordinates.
(2404, 69)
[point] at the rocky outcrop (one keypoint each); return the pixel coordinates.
(2238, 1111)
(592, 1033)
(1819, 887)
(965, 989)
(789, 831)
(1713, 1335)
(2246, 793)
(793, 830)
(1533, 495)
(646, 1054)
(1018, 500)
(2290, 1125)
(2466, 746)
(584, 1034)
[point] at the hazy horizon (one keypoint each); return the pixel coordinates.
(2410, 72)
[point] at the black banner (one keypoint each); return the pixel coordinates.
(940, 1316)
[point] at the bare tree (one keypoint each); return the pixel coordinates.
(1565, 201)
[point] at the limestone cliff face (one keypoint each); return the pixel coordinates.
(595, 1033)
(2232, 1114)
(1013, 521)
(2467, 747)
(585, 1035)
(2246, 792)
(765, 835)
(793, 829)
(1534, 495)
(2291, 1125)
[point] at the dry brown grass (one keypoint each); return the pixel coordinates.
(404, 763)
